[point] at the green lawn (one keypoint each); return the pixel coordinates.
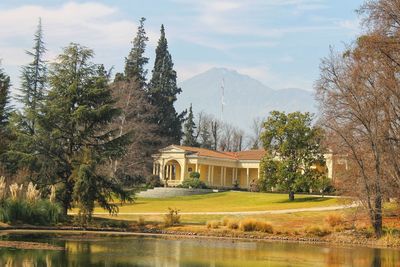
(226, 201)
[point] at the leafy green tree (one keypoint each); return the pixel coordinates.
(73, 121)
(189, 138)
(33, 82)
(136, 61)
(163, 91)
(293, 152)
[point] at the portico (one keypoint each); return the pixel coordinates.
(217, 169)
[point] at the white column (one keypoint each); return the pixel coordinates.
(197, 167)
(236, 174)
(224, 176)
(212, 175)
(162, 171)
(154, 168)
(248, 176)
(209, 174)
(258, 172)
(183, 170)
(170, 172)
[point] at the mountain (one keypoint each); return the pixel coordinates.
(245, 98)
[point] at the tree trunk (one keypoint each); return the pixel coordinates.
(377, 217)
(291, 195)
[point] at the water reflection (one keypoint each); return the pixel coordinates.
(141, 251)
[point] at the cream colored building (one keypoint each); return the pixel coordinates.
(217, 169)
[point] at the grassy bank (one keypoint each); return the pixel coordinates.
(225, 202)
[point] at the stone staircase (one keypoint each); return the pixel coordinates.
(166, 192)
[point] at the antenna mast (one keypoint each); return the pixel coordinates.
(222, 98)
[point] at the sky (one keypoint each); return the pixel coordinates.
(279, 42)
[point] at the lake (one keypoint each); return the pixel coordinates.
(153, 251)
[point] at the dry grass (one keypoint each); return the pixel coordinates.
(334, 220)
(172, 218)
(252, 225)
(317, 231)
(233, 224)
(141, 222)
(213, 224)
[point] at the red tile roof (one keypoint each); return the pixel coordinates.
(241, 155)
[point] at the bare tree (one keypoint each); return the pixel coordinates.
(256, 129)
(134, 119)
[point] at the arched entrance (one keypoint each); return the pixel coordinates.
(172, 172)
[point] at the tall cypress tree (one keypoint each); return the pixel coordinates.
(33, 82)
(136, 61)
(189, 138)
(163, 91)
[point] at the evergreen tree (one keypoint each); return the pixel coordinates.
(163, 92)
(189, 130)
(205, 136)
(136, 61)
(4, 111)
(73, 140)
(33, 79)
(4, 101)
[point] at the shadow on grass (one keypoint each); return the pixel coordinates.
(305, 200)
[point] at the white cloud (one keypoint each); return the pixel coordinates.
(90, 24)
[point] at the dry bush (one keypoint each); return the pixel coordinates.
(233, 224)
(248, 225)
(172, 217)
(225, 221)
(264, 227)
(317, 231)
(334, 220)
(213, 224)
(141, 222)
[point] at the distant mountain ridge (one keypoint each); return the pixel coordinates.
(245, 98)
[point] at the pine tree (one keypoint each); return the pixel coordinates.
(73, 124)
(189, 130)
(205, 136)
(163, 92)
(33, 84)
(136, 61)
(4, 111)
(4, 100)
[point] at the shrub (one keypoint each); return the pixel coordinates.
(213, 224)
(193, 183)
(264, 227)
(334, 220)
(194, 175)
(172, 217)
(317, 231)
(248, 225)
(153, 181)
(141, 222)
(41, 212)
(233, 224)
